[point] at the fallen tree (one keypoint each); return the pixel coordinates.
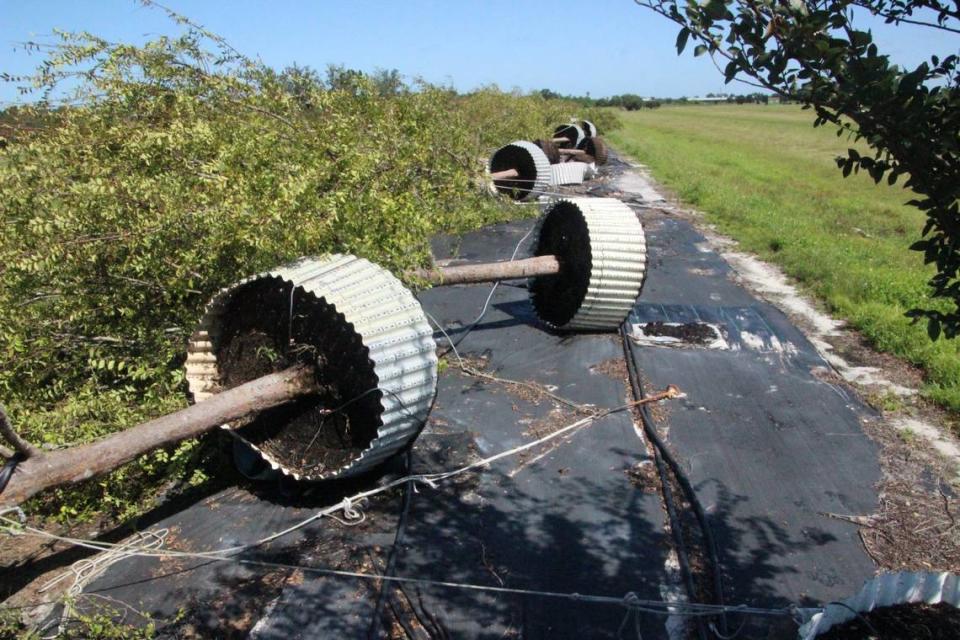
(35, 470)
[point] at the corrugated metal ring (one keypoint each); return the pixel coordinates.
(550, 149)
(568, 173)
(596, 148)
(572, 132)
(886, 590)
(531, 163)
(380, 329)
(603, 253)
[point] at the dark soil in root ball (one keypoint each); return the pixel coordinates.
(514, 157)
(901, 622)
(316, 435)
(564, 234)
(692, 332)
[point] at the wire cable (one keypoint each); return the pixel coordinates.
(397, 540)
(629, 601)
(676, 526)
(686, 486)
(465, 331)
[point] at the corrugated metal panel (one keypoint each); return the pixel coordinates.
(886, 590)
(540, 161)
(568, 173)
(389, 321)
(618, 251)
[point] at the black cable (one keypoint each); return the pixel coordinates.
(407, 629)
(426, 620)
(686, 486)
(397, 540)
(869, 626)
(465, 331)
(675, 525)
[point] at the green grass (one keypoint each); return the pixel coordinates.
(766, 177)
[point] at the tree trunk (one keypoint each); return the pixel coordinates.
(68, 466)
(491, 271)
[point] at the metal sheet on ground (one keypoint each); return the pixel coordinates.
(770, 444)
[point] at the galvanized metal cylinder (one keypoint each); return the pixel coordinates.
(602, 251)
(568, 173)
(530, 162)
(572, 132)
(373, 311)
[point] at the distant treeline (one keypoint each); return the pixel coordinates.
(633, 102)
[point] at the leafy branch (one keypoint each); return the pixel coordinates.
(811, 52)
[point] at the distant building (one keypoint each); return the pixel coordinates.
(708, 99)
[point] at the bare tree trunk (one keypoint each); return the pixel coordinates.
(41, 471)
(491, 271)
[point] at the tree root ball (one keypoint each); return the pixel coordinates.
(369, 343)
(313, 435)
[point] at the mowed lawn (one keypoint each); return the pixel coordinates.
(766, 177)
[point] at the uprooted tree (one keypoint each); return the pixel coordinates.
(137, 180)
(811, 51)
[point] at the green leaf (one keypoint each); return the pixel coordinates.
(682, 38)
(716, 9)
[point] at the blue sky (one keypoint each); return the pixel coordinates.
(603, 47)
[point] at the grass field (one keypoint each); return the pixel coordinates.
(766, 177)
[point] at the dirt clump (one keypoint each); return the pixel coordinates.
(644, 476)
(692, 332)
(269, 326)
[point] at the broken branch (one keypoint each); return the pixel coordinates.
(23, 447)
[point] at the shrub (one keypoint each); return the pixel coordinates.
(177, 167)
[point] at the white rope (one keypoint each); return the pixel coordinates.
(486, 304)
(636, 205)
(86, 570)
(348, 506)
(630, 601)
(21, 516)
(541, 192)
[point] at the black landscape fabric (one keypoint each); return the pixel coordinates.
(768, 442)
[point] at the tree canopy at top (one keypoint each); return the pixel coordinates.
(811, 51)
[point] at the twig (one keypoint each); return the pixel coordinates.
(946, 506)
(867, 548)
(529, 385)
(487, 565)
(863, 521)
(13, 438)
